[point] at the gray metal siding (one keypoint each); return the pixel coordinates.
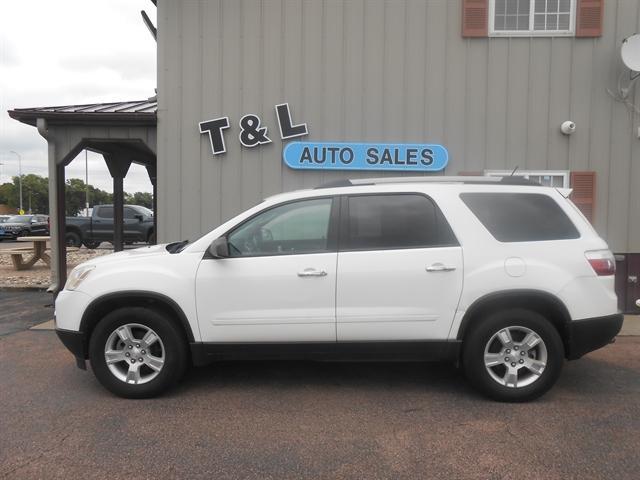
(370, 70)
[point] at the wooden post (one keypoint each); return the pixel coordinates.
(151, 170)
(118, 168)
(61, 260)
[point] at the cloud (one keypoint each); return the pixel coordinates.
(135, 65)
(8, 54)
(73, 52)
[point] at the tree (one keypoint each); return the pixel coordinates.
(35, 193)
(144, 199)
(76, 194)
(7, 195)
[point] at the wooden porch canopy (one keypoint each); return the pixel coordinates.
(123, 132)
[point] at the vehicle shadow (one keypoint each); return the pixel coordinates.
(405, 376)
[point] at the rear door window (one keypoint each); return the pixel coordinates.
(520, 217)
(105, 212)
(394, 221)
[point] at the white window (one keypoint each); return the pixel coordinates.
(532, 17)
(548, 178)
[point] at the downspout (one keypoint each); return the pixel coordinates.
(54, 230)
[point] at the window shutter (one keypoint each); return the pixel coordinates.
(584, 192)
(475, 15)
(589, 16)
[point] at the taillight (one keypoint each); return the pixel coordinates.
(602, 261)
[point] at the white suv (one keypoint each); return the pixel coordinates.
(504, 276)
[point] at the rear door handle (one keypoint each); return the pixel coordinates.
(312, 272)
(439, 267)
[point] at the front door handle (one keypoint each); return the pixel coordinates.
(439, 267)
(312, 272)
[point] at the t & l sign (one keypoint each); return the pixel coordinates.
(252, 133)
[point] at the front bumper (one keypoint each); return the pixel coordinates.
(592, 333)
(74, 341)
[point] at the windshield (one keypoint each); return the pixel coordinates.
(145, 210)
(18, 219)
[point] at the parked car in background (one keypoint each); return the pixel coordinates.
(24, 225)
(98, 228)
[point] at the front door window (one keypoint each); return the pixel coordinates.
(294, 228)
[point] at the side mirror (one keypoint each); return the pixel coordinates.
(219, 248)
(139, 217)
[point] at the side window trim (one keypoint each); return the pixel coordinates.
(332, 232)
(344, 223)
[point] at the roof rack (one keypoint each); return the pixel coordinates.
(510, 180)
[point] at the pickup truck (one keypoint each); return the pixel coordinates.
(98, 228)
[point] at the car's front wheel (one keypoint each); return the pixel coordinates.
(513, 355)
(137, 352)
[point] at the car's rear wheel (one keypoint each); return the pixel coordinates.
(513, 355)
(91, 244)
(137, 352)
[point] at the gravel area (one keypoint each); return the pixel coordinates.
(39, 276)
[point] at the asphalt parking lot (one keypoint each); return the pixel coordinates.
(310, 420)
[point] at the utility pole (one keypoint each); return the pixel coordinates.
(19, 176)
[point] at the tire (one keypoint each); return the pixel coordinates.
(170, 347)
(536, 368)
(91, 244)
(73, 239)
(24, 233)
(151, 239)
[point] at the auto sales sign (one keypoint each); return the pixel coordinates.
(417, 157)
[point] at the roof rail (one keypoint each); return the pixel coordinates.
(510, 180)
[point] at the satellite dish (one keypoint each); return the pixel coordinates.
(630, 52)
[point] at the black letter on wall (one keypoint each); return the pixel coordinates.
(287, 129)
(214, 129)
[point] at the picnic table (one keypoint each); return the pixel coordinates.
(32, 253)
(24, 258)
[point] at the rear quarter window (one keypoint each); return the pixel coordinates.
(520, 217)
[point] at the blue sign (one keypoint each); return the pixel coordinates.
(406, 157)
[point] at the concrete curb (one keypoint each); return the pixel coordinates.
(48, 325)
(631, 326)
(6, 288)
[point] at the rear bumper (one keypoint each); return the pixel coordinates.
(592, 333)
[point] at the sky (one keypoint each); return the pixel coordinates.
(68, 52)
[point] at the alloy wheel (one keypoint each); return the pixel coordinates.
(134, 353)
(515, 356)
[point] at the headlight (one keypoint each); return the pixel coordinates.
(77, 276)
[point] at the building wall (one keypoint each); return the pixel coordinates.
(396, 71)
